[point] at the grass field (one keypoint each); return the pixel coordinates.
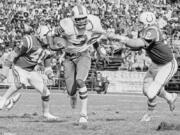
(110, 114)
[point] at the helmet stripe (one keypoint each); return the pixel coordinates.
(29, 39)
(80, 9)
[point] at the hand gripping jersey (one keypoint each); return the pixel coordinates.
(76, 42)
(158, 51)
(30, 53)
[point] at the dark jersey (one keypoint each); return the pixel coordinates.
(30, 53)
(158, 51)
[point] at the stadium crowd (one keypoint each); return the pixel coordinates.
(18, 18)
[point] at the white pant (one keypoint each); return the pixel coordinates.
(157, 77)
(29, 78)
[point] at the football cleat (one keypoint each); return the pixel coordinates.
(172, 102)
(73, 101)
(146, 118)
(50, 117)
(12, 101)
(83, 121)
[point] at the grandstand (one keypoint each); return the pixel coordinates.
(113, 15)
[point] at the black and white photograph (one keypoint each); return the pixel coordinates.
(89, 67)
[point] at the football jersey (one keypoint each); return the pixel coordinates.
(157, 50)
(76, 42)
(30, 53)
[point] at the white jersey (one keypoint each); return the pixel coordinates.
(76, 42)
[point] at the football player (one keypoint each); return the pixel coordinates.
(76, 35)
(163, 65)
(3, 75)
(31, 52)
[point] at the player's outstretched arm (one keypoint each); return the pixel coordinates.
(129, 42)
(133, 43)
(55, 42)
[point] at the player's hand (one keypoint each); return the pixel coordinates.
(51, 76)
(110, 35)
(49, 73)
(8, 63)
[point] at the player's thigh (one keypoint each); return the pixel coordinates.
(36, 80)
(166, 72)
(69, 74)
(83, 67)
(20, 76)
(150, 75)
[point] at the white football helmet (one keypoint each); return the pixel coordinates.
(79, 16)
(147, 18)
(42, 32)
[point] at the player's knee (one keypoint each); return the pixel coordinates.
(45, 98)
(19, 85)
(72, 93)
(45, 91)
(152, 90)
(150, 95)
(80, 83)
(83, 93)
(72, 90)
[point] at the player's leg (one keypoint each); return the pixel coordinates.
(36, 80)
(160, 76)
(151, 101)
(12, 101)
(4, 73)
(69, 75)
(19, 76)
(83, 67)
(170, 69)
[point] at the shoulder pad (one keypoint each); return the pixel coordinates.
(150, 34)
(65, 23)
(95, 22)
(27, 42)
(66, 26)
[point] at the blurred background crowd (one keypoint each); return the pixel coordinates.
(21, 17)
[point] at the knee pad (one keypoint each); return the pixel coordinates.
(80, 83)
(45, 98)
(83, 93)
(45, 92)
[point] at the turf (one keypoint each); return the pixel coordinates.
(110, 114)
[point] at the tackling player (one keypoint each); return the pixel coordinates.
(76, 35)
(163, 65)
(31, 52)
(3, 75)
